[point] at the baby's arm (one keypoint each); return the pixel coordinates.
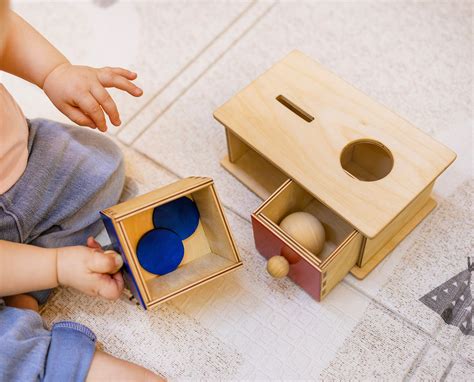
(77, 91)
(27, 54)
(26, 268)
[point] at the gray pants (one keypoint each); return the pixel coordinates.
(72, 174)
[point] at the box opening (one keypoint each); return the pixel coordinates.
(367, 160)
(252, 169)
(293, 198)
(207, 252)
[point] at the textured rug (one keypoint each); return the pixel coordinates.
(399, 336)
(191, 56)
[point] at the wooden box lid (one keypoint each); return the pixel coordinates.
(301, 117)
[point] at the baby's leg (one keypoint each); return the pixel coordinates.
(22, 301)
(89, 178)
(105, 367)
(72, 174)
(29, 352)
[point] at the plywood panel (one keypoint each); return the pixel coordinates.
(362, 272)
(154, 198)
(219, 237)
(195, 273)
(372, 246)
(256, 173)
(341, 264)
(309, 151)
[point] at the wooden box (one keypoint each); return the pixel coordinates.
(305, 140)
(209, 252)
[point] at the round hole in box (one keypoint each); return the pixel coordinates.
(367, 160)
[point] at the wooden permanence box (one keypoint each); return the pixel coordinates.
(305, 140)
(209, 252)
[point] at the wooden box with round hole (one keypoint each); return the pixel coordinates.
(192, 226)
(305, 140)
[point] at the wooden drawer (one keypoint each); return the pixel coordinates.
(209, 252)
(317, 274)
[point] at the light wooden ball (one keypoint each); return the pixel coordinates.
(305, 229)
(278, 267)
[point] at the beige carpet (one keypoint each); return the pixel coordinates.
(191, 56)
(397, 331)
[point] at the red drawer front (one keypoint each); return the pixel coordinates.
(301, 272)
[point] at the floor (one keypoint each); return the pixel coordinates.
(415, 58)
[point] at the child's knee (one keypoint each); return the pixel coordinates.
(116, 155)
(113, 167)
(114, 171)
(119, 173)
(116, 152)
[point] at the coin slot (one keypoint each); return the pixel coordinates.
(294, 108)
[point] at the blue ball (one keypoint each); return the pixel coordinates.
(160, 251)
(180, 215)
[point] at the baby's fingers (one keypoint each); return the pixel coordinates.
(105, 262)
(91, 107)
(110, 286)
(109, 79)
(105, 100)
(129, 75)
(77, 116)
(92, 243)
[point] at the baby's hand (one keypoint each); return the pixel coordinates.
(79, 93)
(90, 270)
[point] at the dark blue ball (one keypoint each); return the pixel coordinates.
(160, 251)
(180, 215)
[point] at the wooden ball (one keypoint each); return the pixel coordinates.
(278, 267)
(305, 229)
